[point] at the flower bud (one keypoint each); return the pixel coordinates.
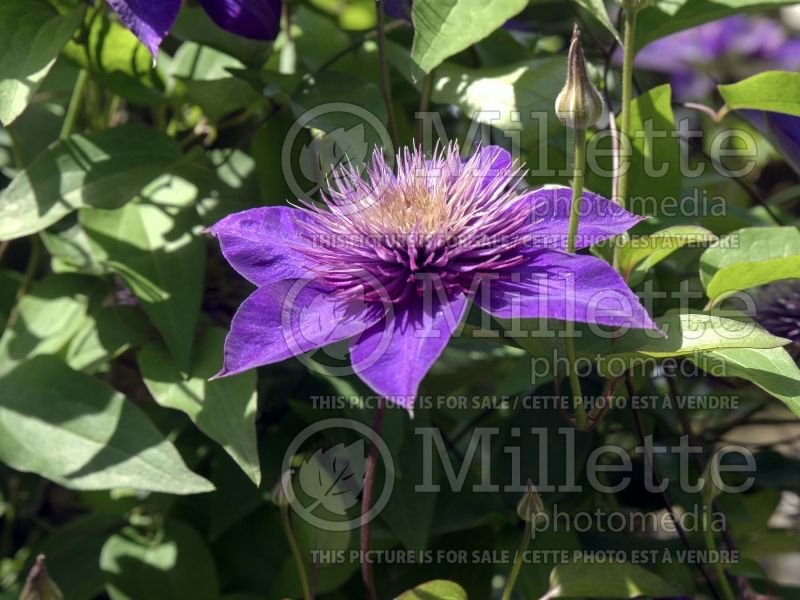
(282, 492)
(530, 505)
(579, 105)
(710, 477)
(39, 586)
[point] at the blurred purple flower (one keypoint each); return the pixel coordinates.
(152, 20)
(398, 9)
(783, 132)
(729, 49)
(391, 263)
(778, 308)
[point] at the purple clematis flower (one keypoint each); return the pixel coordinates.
(151, 20)
(698, 59)
(391, 263)
(783, 132)
(778, 308)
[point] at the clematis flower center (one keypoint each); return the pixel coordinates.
(440, 219)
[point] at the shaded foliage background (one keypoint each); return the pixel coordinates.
(140, 478)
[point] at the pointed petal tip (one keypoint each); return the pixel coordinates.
(222, 373)
(406, 402)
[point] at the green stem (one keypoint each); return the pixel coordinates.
(623, 166)
(75, 102)
(712, 547)
(581, 420)
(386, 85)
(16, 149)
(627, 99)
(424, 106)
(298, 559)
(27, 280)
(518, 561)
(577, 188)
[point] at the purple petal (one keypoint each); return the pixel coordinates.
(754, 43)
(601, 219)
(398, 9)
(567, 287)
(393, 358)
(783, 131)
(149, 21)
(787, 56)
(261, 243)
(255, 19)
(492, 160)
(287, 319)
(691, 84)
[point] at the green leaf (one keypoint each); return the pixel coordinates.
(65, 557)
(104, 170)
(503, 97)
(751, 244)
(224, 409)
(598, 10)
(31, 35)
(174, 564)
(438, 589)
(443, 28)
(774, 91)
(118, 61)
(749, 258)
(103, 334)
(70, 252)
(609, 580)
(772, 369)
(339, 134)
(685, 334)
(664, 17)
(409, 514)
(640, 254)
(154, 249)
(656, 157)
(104, 441)
(742, 276)
(48, 316)
(204, 73)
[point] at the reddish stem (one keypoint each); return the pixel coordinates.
(366, 503)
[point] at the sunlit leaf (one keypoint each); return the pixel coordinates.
(80, 433)
(174, 564)
(31, 35)
(444, 27)
(640, 254)
(773, 91)
(225, 409)
(104, 170)
(771, 369)
(438, 589)
(610, 580)
(748, 258)
(160, 256)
